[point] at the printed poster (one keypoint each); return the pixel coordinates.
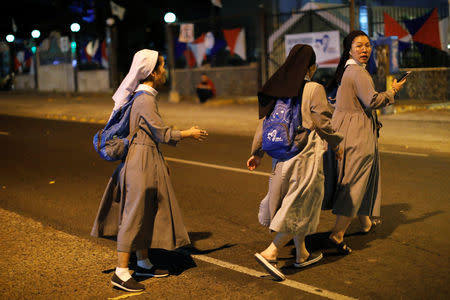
(325, 45)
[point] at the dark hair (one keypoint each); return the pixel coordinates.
(347, 43)
(312, 60)
(151, 77)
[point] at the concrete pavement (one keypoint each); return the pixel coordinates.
(422, 129)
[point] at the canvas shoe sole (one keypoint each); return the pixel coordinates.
(153, 272)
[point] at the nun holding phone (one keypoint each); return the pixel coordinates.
(358, 191)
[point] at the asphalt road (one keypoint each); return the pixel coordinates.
(51, 174)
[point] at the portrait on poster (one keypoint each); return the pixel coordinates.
(324, 43)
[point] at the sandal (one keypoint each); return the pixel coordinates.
(341, 247)
(312, 258)
(270, 266)
(372, 228)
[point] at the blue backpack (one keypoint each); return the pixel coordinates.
(112, 142)
(281, 127)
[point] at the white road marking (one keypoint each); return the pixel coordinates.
(4, 133)
(219, 167)
(126, 296)
(197, 163)
(290, 283)
(405, 153)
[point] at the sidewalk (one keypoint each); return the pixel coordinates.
(412, 124)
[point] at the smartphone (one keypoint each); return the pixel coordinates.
(404, 76)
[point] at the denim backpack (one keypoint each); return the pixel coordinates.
(112, 142)
(281, 127)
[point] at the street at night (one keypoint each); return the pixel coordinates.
(209, 149)
(53, 179)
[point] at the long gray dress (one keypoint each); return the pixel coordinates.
(139, 204)
(358, 191)
(296, 187)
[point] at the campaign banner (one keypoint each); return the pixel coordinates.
(325, 45)
(186, 33)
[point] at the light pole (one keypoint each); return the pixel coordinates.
(35, 34)
(12, 52)
(75, 27)
(170, 18)
(111, 42)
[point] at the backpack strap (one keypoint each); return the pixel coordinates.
(132, 134)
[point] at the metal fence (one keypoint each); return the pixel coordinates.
(217, 42)
(310, 19)
(321, 17)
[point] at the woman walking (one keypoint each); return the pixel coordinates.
(139, 205)
(358, 189)
(296, 188)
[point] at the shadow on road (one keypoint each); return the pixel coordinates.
(180, 259)
(393, 217)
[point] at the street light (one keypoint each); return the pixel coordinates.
(36, 34)
(170, 17)
(10, 38)
(75, 27)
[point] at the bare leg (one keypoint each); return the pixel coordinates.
(302, 253)
(271, 252)
(366, 223)
(123, 258)
(342, 223)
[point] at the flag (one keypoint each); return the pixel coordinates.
(425, 29)
(198, 49)
(179, 48)
(190, 58)
(217, 3)
(28, 58)
(236, 41)
(213, 44)
(117, 10)
(91, 49)
(393, 28)
(104, 55)
(443, 32)
(14, 26)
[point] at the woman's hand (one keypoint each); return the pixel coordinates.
(194, 132)
(253, 162)
(396, 86)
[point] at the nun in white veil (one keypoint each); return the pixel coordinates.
(139, 204)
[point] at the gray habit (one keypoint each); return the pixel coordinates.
(296, 187)
(139, 204)
(358, 191)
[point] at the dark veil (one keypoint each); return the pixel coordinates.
(288, 81)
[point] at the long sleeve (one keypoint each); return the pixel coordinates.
(370, 98)
(159, 132)
(321, 113)
(257, 140)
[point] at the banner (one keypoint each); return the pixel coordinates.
(186, 33)
(324, 43)
(386, 49)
